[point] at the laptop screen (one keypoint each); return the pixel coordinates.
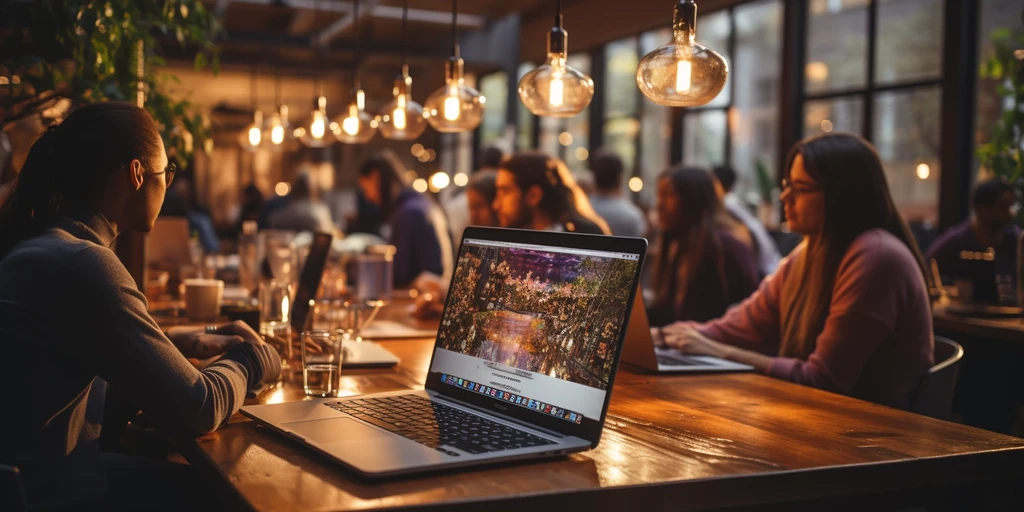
(535, 326)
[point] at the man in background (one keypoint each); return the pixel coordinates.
(609, 201)
(983, 247)
(756, 236)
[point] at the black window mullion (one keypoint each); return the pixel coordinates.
(869, 95)
(732, 89)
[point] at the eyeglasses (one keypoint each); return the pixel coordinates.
(169, 171)
(799, 188)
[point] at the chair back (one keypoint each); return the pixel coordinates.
(935, 395)
(12, 493)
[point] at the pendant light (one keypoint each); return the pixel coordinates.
(278, 130)
(314, 132)
(402, 118)
(684, 73)
(454, 107)
(556, 89)
(253, 136)
(354, 125)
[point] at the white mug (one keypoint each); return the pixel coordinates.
(202, 298)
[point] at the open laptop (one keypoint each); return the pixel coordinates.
(522, 367)
(357, 354)
(640, 351)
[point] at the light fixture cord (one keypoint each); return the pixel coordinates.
(405, 42)
(359, 43)
(252, 87)
(558, 14)
(455, 28)
(277, 86)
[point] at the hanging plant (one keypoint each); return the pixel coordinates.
(73, 52)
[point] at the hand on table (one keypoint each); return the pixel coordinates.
(199, 344)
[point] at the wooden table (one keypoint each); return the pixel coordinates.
(670, 443)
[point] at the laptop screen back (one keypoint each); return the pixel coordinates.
(536, 327)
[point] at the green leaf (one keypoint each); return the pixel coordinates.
(200, 62)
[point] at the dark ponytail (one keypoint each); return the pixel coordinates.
(68, 165)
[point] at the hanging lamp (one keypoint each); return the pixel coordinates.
(253, 137)
(455, 107)
(683, 73)
(354, 125)
(315, 131)
(402, 118)
(556, 89)
(278, 130)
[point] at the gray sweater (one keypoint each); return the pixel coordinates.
(72, 316)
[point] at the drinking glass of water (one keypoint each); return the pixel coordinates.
(375, 273)
(275, 299)
(322, 357)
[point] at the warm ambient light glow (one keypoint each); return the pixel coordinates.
(277, 134)
(416, 149)
(451, 105)
(565, 138)
(318, 127)
(582, 153)
(351, 123)
(255, 136)
(556, 92)
(419, 185)
(816, 71)
(636, 184)
(440, 180)
(461, 179)
(282, 189)
(923, 171)
(684, 71)
(826, 126)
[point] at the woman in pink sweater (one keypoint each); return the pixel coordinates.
(848, 311)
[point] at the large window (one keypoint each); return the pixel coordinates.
(568, 138)
(995, 16)
(655, 130)
(887, 89)
(739, 126)
(494, 87)
(524, 119)
(622, 101)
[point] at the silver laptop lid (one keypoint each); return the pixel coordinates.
(534, 322)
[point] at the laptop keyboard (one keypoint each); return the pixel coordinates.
(437, 425)
(678, 361)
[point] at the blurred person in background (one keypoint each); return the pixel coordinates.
(412, 222)
(983, 247)
(304, 210)
(746, 227)
(536, 191)
(456, 206)
(609, 201)
(699, 270)
(180, 202)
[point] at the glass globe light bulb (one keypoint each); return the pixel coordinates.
(455, 107)
(278, 130)
(556, 89)
(355, 125)
(254, 132)
(402, 118)
(314, 133)
(683, 73)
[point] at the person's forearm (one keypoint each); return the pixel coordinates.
(760, 362)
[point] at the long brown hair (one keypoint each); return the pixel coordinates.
(68, 164)
(691, 256)
(392, 172)
(857, 199)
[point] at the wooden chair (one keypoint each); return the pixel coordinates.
(12, 494)
(935, 396)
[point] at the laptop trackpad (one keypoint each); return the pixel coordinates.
(334, 430)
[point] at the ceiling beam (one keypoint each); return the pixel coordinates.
(312, 5)
(323, 38)
(425, 16)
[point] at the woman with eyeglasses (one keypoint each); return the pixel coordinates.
(848, 311)
(699, 268)
(72, 319)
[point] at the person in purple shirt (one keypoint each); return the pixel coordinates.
(414, 224)
(983, 247)
(848, 311)
(699, 268)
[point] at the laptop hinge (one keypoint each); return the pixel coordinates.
(505, 417)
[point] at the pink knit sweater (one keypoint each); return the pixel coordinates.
(877, 342)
